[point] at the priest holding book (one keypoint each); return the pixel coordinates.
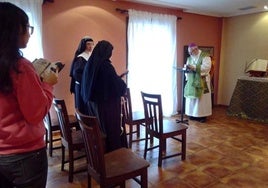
(197, 91)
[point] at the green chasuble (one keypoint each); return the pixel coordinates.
(195, 85)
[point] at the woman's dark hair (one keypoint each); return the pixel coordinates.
(13, 23)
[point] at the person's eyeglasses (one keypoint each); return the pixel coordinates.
(31, 29)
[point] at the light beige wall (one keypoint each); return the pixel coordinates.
(243, 39)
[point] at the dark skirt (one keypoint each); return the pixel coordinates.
(111, 122)
(79, 103)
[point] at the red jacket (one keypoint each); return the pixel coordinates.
(22, 111)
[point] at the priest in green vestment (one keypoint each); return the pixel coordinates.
(197, 91)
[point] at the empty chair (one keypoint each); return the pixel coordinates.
(132, 119)
(113, 168)
(71, 138)
(160, 128)
(52, 126)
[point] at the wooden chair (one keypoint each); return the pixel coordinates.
(132, 119)
(71, 138)
(113, 168)
(52, 126)
(160, 128)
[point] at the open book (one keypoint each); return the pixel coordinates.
(124, 74)
(43, 66)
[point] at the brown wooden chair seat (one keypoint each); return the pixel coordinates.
(113, 168)
(71, 139)
(160, 128)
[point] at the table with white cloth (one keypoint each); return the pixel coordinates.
(250, 99)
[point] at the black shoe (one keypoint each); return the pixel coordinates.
(191, 118)
(202, 119)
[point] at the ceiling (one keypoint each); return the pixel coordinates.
(218, 8)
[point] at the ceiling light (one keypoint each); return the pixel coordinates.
(265, 7)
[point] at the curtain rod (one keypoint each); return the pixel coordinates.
(50, 1)
(123, 11)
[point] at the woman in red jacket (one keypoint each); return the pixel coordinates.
(25, 100)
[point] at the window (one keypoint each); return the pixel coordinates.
(152, 58)
(33, 9)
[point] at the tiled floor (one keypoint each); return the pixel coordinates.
(224, 152)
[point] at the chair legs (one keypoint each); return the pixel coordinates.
(50, 146)
(88, 180)
(162, 148)
(70, 161)
(138, 134)
(144, 179)
(62, 157)
(146, 145)
(131, 132)
(160, 153)
(71, 166)
(183, 146)
(138, 130)
(49, 142)
(46, 137)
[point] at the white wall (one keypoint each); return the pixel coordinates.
(243, 39)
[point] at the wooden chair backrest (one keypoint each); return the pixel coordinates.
(127, 106)
(47, 121)
(94, 144)
(152, 104)
(62, 115)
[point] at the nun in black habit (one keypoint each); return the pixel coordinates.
(81, 57)
(102, 89)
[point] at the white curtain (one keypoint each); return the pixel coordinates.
(152, 57)
(33, 9)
